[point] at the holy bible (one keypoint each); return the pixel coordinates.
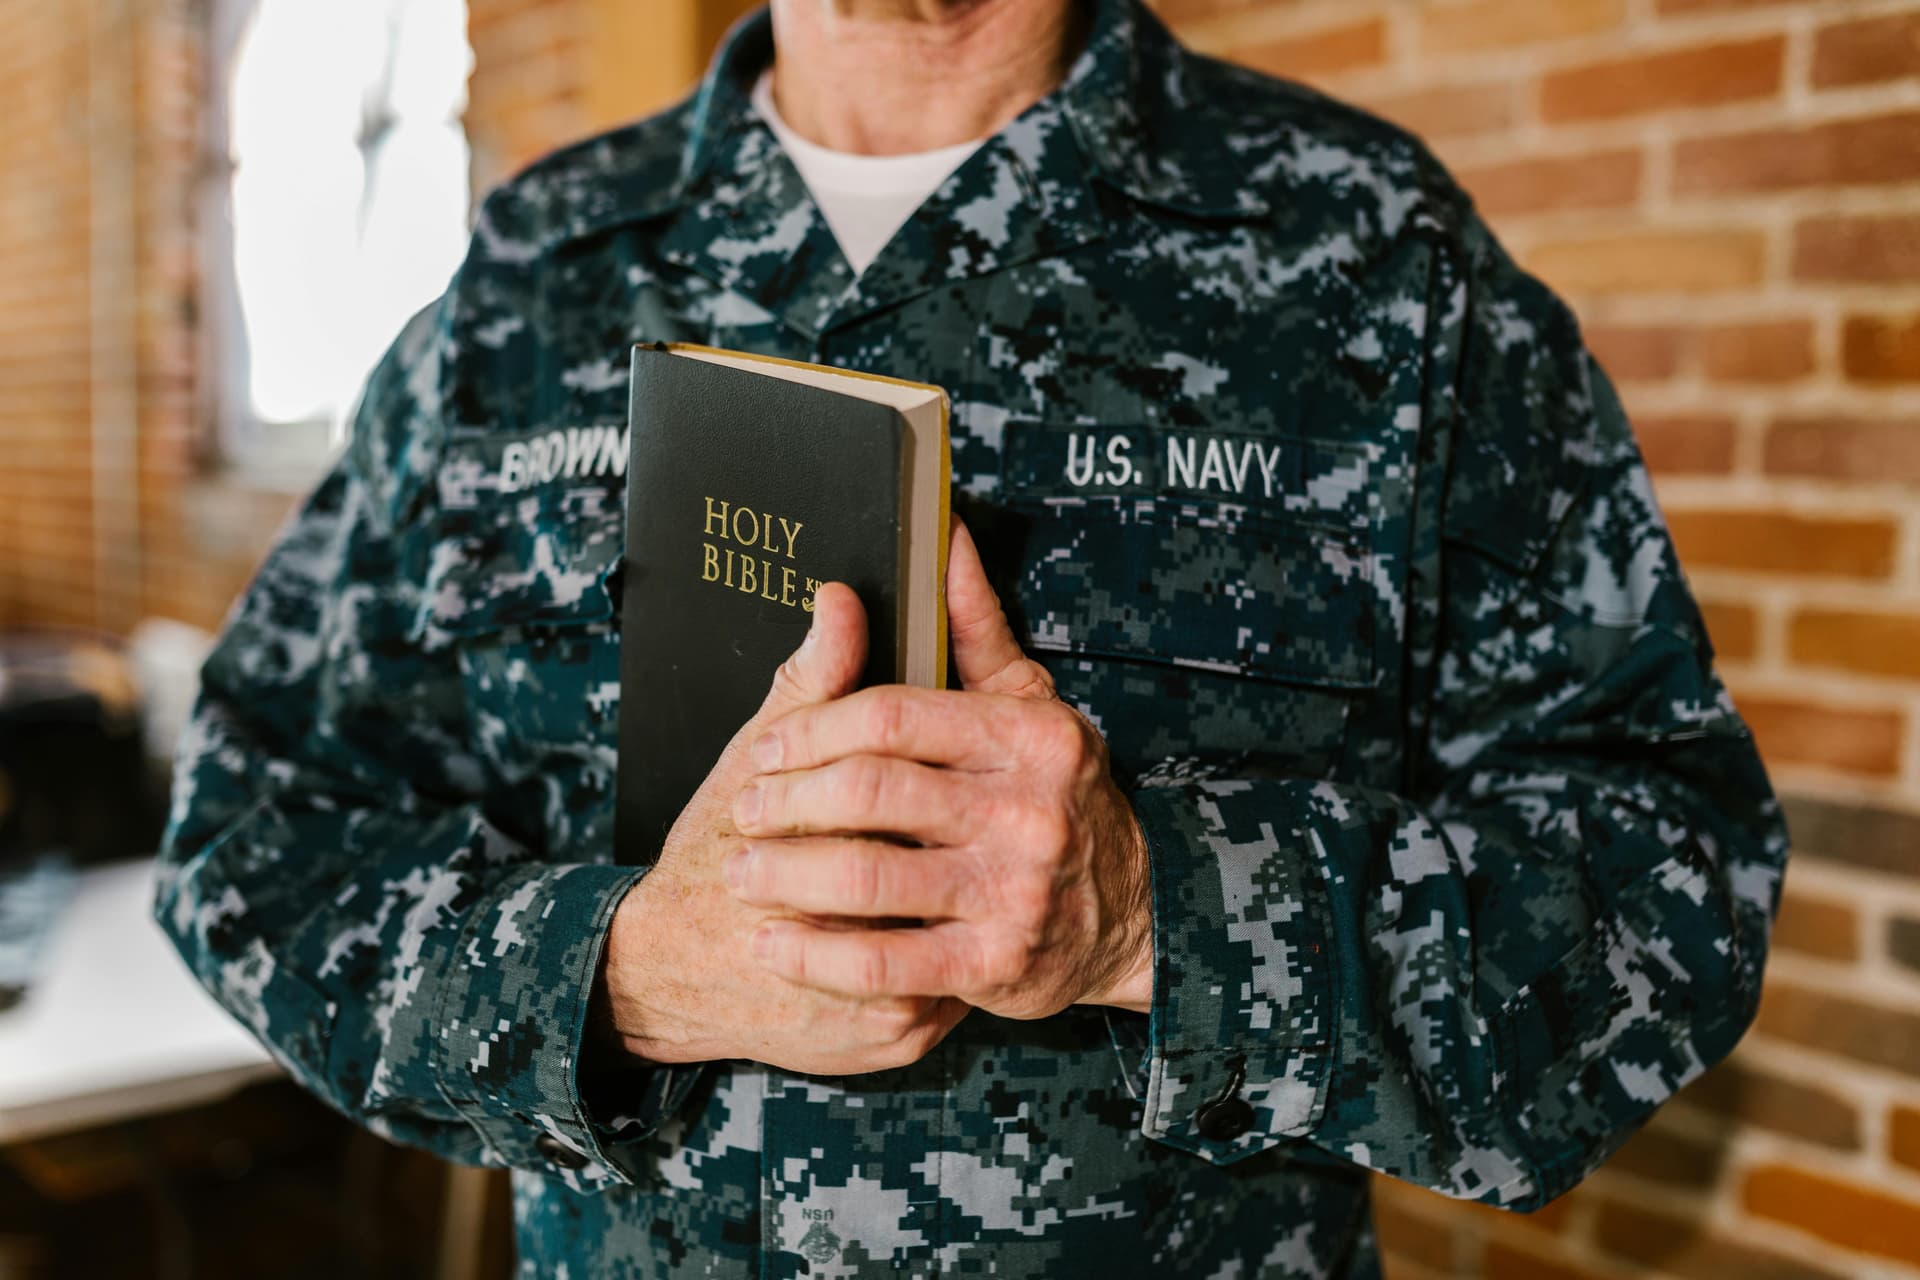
(753, 480)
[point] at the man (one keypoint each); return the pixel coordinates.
(1358, 795)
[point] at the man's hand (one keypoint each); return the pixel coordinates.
(676, 977)
(1028, 869)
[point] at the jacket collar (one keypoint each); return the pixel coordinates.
(1138, 125)
(1142, 123)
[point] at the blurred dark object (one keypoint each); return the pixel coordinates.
(73, 774)
(266, 1184)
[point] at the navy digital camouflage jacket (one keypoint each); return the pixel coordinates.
(1307, 496)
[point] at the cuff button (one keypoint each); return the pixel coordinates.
(559, 1153)
(1225, 1120)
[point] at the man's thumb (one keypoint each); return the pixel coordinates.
(985, 655)
(828, 663)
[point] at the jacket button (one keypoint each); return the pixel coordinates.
(558, 1152)
(1224, 1120)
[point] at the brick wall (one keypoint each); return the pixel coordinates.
(99, 138)
(549, 71)
(528, 92)
(1729, 192)
(45, 534)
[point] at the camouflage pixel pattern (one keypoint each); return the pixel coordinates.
(1309, 498)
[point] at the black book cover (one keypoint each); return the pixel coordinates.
(744, 493)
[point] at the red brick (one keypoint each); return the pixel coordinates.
(1319, 53)
(1757, 1098)
(1606, 179)
(1686, 444)
(1869, 642)
(1842, 1026)
(1499, 24)
(1717, 6)
(1903, 942)
(1858, 250)
(1549, 1220)
(1413, 1237)
(1700, 76)
(1856, 1218)
(1688, 1249)
(514, 39)
(1733, 628)
(1878, 349)
(1867, 50)
(1903, 1136)
(1819, 927)
(1779, 542)
(1177, 11)
(1504, 1262)
(1448, 110)
(1867, 150)
(1774, 351)
(1872, 449)
(1653, 262)
(1401, 1268)
(1656, 1154)
(1789, 731)
(1871, 837)
(1638, 353)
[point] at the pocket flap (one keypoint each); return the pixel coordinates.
(545, 559)
(1209, 586)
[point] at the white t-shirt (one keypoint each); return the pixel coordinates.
(865, 199)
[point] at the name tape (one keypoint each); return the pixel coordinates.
(1054, 459)
(570, 453)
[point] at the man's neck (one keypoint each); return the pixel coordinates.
(890, 77)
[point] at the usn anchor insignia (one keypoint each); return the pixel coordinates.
(820, 1244)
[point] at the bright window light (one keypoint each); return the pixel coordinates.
(350, 188)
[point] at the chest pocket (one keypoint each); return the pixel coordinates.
(520, 588)
(1202, 635)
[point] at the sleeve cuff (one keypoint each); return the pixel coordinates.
(1241, 1029)
(511, 1020)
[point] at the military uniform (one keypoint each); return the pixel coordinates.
(1307, 496)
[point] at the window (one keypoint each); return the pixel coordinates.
(340, 195)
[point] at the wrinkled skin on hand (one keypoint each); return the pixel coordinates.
(1026, 866)
(890, 857)
(677, 982)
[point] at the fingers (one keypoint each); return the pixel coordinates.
(849, 878)
(985, 653)
(929, 725)
(867, 794)
(938, 960)
(829, 661)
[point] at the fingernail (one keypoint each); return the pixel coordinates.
(766, 752)
(735, 868)
(762, 943)
(746, 806)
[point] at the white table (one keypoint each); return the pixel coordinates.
(115, 1027)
